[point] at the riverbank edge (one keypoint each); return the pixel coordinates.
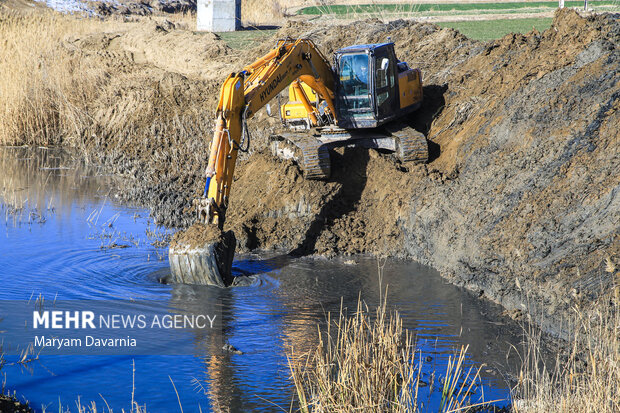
(10, 404)
(517, 303)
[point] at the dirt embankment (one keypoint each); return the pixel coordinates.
(530, 130)
(521, 194)
(520, 202)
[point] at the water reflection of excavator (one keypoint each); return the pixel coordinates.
(357, 102)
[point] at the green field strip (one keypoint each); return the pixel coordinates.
(417, 8)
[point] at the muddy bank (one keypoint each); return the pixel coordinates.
(520, 202)
(9, 404)
(520, 195)
(530, 132)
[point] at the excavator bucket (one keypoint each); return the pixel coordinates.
(202, 255)
(202, 209)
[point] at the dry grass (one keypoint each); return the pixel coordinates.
(93, 408)
(366, 365)
(585, 380)
(104, 407)
(116, 92)
(260, 12)
(363, 364)
(44, 88)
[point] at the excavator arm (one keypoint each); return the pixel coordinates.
(242, 95)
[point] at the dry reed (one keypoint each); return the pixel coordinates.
(260, 12)
(587, 379)
(45, 87)
(66, 83)
(366, 365)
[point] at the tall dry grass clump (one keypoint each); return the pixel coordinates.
(45, 86)
(261, 12)
(587, 379)
(366, 365)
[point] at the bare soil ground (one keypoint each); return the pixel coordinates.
(520, 201)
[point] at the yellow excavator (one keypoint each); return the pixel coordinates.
(359, 101)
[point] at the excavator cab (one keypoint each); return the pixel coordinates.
(354, 85)
(373, 94)
(367, 85)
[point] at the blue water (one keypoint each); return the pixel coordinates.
(59, 236)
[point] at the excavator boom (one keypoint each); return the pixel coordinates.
(242, 95)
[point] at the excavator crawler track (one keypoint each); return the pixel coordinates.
(411, 146)
(309, 153)
(316, 163)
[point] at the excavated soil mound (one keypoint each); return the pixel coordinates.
(359, 210)
(530, 129)
(522, 193)
(196, 236)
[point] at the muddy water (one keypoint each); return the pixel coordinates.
(64, 237)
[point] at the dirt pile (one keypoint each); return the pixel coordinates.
(196, 236)
(529, 129)
(142, 7)
(253, 12)
(20, 6)
(358, 210)
(154, 45)
(522, 199)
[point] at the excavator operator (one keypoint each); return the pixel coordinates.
(354, 81)
(360, 68)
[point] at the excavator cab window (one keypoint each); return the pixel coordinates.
(354, 82)
(386, 90)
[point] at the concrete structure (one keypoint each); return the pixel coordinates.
(218, 15)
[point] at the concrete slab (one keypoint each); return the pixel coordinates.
(218, 15)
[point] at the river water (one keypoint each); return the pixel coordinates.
(64, 237)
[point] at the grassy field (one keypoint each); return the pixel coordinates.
(495, 29)
(485, 30)
(479, 30)
(341, 10)
(245, 39)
